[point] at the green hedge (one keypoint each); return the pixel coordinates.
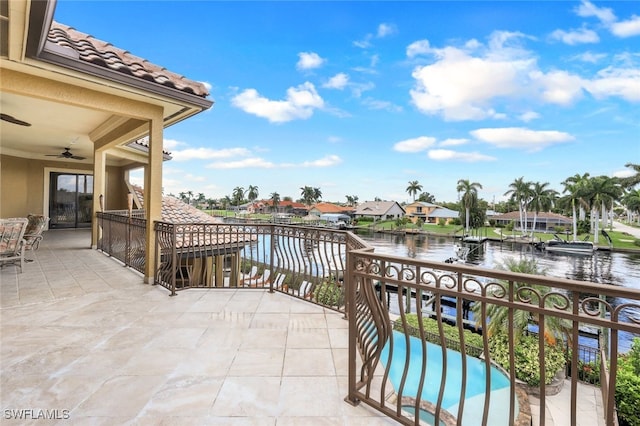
(628, 386)
(473, 341)
(526, 353)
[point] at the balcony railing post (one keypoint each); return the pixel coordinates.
(174, 260)
(350, 309)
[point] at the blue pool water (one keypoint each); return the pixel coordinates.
(475, 383)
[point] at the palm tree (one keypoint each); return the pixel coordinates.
(520, 192)
(252, 193)
(201, 198)
(632, 202)
(499, 315)
(413, 188)
(238, 196)
(275, 200)
(190, 196)
(317, 195)
(601, 189)
(542, 199)
(307, 194)
(469, 198)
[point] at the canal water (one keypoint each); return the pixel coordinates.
(605, 267)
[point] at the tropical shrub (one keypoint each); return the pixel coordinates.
(329, 294)
(473, 341)
(636, 242)
(442, 222)
(527, 363)
(509, 226)
(628, 386)
(584, 226)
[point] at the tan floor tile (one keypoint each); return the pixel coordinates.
(258, 362)
(184, 396)
(310, 397)
(126, 396)
(308, 362)
(248, 396)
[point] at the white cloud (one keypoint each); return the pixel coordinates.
(520, 137)
(385, 30)
(574, 37)
(364, 43)
(334, 139)
(254, 162)
(590, 57)
(358, 88)
(453, 142)
(448, 155)
(309, 60)
(420, 47)
(558, 87)
(208, 153)
(627, 28)
(376, 104)
(625, 173)
(328, 161)
(299, 104)
(261, 163)
(418, 144)
(528, 116)
(169, 144)
(604, 14)
(338, 81)
(460, 86)
(624, 83)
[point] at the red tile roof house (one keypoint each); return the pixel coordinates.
(323, 208)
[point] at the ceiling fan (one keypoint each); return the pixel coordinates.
(66, 154)
(10, 119)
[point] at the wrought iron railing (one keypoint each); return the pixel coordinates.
(308, 263)
(411, 380)
(388, 369)
(123, 236)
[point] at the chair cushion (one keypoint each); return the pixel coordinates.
(36, 224)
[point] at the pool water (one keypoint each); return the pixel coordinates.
(475, 383)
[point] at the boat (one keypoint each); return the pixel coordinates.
(558, 244)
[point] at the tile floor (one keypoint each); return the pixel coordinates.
(83, 335)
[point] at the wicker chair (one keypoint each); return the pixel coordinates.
(12, 243)
(33, 233)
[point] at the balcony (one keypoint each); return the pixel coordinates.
(79, 329)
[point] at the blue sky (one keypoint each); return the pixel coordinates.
(359, 98)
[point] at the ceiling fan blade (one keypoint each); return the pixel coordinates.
(75, 157)
(10, 119)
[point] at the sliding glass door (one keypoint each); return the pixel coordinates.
(70, 200)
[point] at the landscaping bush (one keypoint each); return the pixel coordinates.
(636, 242)
(473, 341)
(628, 386)
(442, 222)
(329, 294)
(584, 227)
(526, 353)
(509, 226)
(456, 221)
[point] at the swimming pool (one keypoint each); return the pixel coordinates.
(475, 383)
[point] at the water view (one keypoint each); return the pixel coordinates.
(605, 267)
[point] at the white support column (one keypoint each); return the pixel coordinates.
(99, 186)
(153, 191)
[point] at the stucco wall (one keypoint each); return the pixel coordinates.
(22, 184)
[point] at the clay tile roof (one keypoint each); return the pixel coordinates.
(174, 210)
(106, 55)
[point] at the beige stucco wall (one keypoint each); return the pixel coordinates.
(22, 185)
